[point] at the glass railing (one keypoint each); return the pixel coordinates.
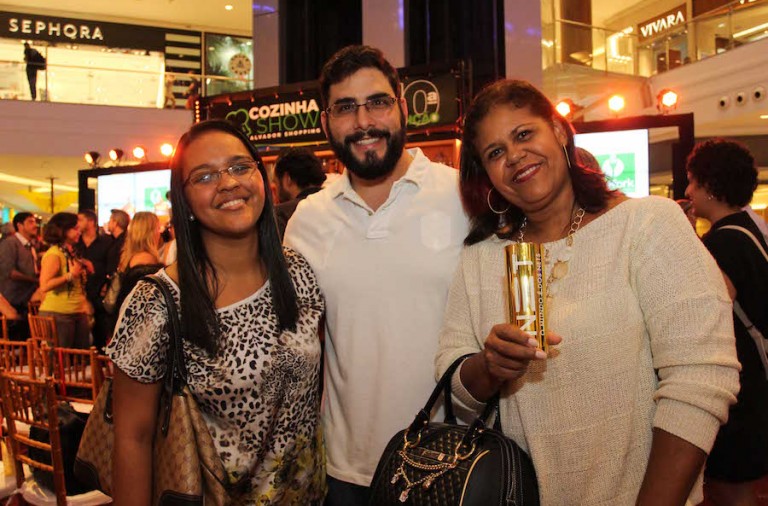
(625, 52)
(85, 84)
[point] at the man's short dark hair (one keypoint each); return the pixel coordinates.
(349, 60)
(20, 218)
(120, 218)
(90, 215)
(302, 166)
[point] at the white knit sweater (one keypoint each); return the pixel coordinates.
(647, 342)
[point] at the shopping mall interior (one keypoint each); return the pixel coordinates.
(118, 74)
(642, 81)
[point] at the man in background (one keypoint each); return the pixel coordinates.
(19, 270)
(384, 241)
(299, 174)
(35, 62)
(95, 247)
(116, 227)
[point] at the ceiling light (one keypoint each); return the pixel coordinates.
(750, 30)
(139, 153)
(116, 155)
(92, 158)
(764, 116)
(666, 100)
(616, 103)
(228, 7)
(166, 149)
(564, 108)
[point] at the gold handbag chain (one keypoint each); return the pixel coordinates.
(436, 470)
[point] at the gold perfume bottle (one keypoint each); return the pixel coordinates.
(527, 289)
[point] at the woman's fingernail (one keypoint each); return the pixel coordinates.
(540, 354)
(533, 342)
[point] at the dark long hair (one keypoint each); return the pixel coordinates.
(56, 229)
(589, 185)
(198, 280)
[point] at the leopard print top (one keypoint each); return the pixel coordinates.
(259, 394)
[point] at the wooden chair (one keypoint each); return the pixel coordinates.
(33, 306)
(42, 357)
(75, 373)
(104, 368)
(17, 358)
(43, 327)
(34, 402)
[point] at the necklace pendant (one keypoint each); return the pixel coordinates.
(560, 270)
(403, 495)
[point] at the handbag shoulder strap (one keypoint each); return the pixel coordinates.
(750, 235)
(754, 332)
(175, 370)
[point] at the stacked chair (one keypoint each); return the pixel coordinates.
(36, 376)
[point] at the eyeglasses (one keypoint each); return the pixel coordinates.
(375, 106)
(241, 171)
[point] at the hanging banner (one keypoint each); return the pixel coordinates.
(291, 115)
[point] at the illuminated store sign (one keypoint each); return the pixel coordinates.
(52, 29)
(286, 117)
(662, 23)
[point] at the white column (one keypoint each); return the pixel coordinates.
(266, 44)
(384, 28)
(522, 40)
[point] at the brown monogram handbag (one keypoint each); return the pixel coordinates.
(186, 468)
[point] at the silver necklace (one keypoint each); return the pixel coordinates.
(560, 268)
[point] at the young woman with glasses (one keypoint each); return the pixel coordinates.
(249, 316)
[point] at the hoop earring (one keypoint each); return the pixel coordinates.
(567, 158)
(488, 198)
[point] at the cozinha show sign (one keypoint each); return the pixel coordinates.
(288, 118)
(275, 117)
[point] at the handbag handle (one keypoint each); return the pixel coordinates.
(444, 386)
(175, 372)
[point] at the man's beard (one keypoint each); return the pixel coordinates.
(372, 167)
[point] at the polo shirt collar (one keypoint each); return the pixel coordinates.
(415, 174)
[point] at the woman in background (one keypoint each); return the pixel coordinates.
(722, 178)
(140, 255)
(624, 410)
(62, 280)
(250, 313)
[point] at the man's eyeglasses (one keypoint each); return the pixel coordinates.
(375, 106)
(241, 171)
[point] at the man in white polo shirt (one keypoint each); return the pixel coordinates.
(384, 240)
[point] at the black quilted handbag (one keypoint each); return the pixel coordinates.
(445, 464)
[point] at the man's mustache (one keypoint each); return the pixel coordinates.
(373, 132)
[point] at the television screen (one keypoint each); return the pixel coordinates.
(623, 156)
(134, 192)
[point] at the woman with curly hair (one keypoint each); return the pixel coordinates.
(722, 178)
(63, 274)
